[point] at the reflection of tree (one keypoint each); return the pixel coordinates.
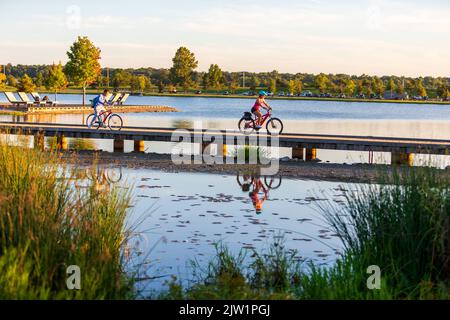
(81, 144)
(182, 124)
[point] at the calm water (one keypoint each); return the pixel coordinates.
(179, 217)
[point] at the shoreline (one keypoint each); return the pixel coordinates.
(345, 173)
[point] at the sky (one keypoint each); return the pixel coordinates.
(376, 37)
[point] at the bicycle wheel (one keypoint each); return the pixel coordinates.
(92, 122)
(273, 183)
(115, 122)
(246, 126)
(274, 126)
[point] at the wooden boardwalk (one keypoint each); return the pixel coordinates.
(303, 145)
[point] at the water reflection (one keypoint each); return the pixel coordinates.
(100, 177)
(258, 188)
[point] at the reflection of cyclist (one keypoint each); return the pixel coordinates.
(101, 183)
(248, 180)
(99, 104)
(254, 195)
(260, 102)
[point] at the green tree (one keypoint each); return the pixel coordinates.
(83, 66)
(421, 88)
(39, 80)
(322, 81)
(234, 83)
(298, 86)
(26, 84)
(442, 89)
(378, 86)
(273, 85)
(291, 86)
(12, 82)
(121, 78)
(350, 88)
(2, 78)
(391, 87)
(184, 63)
(255, 82)
(139, 83)
(56, 79)
(400, 88)
(214, 77)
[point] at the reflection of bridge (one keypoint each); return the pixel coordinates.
(303, 145)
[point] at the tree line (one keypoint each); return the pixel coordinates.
(83, 70)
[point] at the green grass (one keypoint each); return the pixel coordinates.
(247, 153)
(400, 225)
(47, 224)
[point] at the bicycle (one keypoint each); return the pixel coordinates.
(271, 182)
(112, 120)
(247, 124)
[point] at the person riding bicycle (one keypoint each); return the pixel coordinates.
(99, 104)
(260, 102)
(254, 195)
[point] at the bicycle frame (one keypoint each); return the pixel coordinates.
(264, 117)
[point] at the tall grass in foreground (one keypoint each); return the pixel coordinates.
(400, 225)
(46, 224)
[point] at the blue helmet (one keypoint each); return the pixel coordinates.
(263, 93)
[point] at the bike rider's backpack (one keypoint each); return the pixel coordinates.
(95, 101)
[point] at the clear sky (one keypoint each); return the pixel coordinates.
(378, 37)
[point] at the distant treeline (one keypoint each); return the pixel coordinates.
(153, 79)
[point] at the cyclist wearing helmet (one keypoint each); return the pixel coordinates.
(254, 195)
(260, 102)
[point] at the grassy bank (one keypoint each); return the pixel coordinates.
(48, 224)
(401, 225)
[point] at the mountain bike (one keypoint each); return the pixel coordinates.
(247, 124)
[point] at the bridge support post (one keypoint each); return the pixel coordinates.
(222, 150)
(402, 158)
(61, 142)
(297, 153)
(119, 145)
(39, 141)
(139, 146)
(311, 154)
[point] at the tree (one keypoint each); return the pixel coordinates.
(214, 77)
(12, 82)
(56, 79)
(291, 86)
(2, 77)
(442, 90)
(322, 82)
(420, 88)
(83, 66)
(234, 83)
(139, 83)
(26, 84)
(254, 82)
(273, 85)
(400, 88)
(298, 86)
(350, 88)
(121, 78)
(391, 87)
(184, 63)
(39, 80)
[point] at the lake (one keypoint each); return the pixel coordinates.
(177, 218)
